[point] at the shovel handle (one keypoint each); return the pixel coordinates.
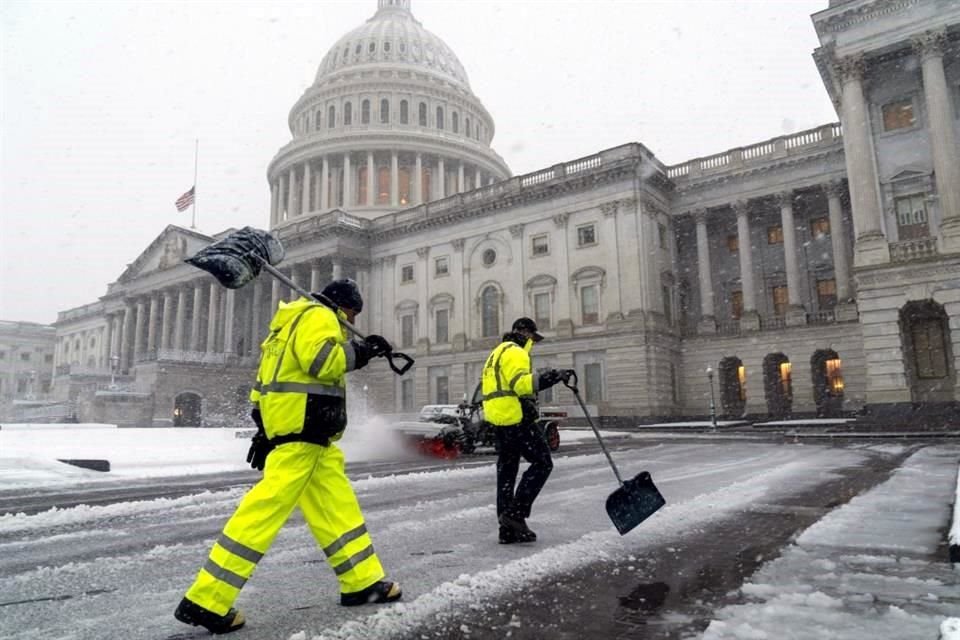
(576, 394)
(327, 302)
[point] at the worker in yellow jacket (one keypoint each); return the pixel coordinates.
(300, 408)
(510, 389)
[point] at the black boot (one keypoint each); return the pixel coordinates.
(377, 593)
(516, 530)
(192, 613)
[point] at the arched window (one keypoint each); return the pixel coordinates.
(365, 112)
(331, 117)
(318, 116)
(466, 126)
(439, 117)
(348, 113)
(455, 122)
(404, 112)
(423, 114)
(489, 312)
(384, 111)
(383, 185)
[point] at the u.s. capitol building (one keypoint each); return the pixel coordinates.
(812, 273)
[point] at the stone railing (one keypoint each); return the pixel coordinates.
(768, 323)
(728, 328)
(913, 249)
(204, 357)
(762, 152)
(826, 316)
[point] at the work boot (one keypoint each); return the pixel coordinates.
(191, 613)
(510, 536)
(518, 527)
(377, 593)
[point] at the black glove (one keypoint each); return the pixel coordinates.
(260, 446)
(372, 346)
(378, 345)
(566, 374)
(548, 378)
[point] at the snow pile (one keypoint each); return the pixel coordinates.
(853, 574)
(950, 629)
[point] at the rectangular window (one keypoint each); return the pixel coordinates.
(21, 386)
(780, 300)
(667, 304)
(593, 382)
(929, 354)
(775, 235)
(48, 358)
(25, 357)
(827, 293)
(406, 395)
(898, 115)
(590, 304)
(541, 310)
(540, 244)
(441, 321)
(736, 304)
(406, 331)
(912, 216)
(586, 235)
(733, 243)
(3, 355)
(441, 267)
(662, 234)
(406, 274)
(442, 390)
(819, 227)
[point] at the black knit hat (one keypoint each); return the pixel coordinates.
(526, 324)
(344, 293)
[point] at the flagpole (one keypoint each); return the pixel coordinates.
(196, 155)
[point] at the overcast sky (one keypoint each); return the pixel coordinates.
(102, 103)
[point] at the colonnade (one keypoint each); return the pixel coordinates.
(370, 179)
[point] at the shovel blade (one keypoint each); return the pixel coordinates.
(236, 259)
(634, 502)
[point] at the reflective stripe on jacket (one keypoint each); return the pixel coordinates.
(300, 381)
(506, 378)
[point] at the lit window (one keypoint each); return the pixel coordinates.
(586, 235)
(898, 115)
(590, 304)
(819, 227)
(406, 273)
(786, 371)
(441, 266)
(541, 310)
(834, 376)
(540, 245)
(733, 243)
(742, 380)
(827, 293)
(775, 235)
(780, 300)
(404, 186)
(441, 321)
(736, 304)
(406, 331)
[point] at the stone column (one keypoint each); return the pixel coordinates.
(347, 193)
(274, 202)
(516, 306)
(564, 323)
(371, 180)
(256, 303)
(196, 316)
(750, 320)
(281, 199)
(126, 344)
(708, 320)
(315, 275)
(275, 296)
(796, 314)
(228, 318)
(871, 246)
(337, 269)
(152, 325)
(291, 193)
(441, 189)
(213, 319)
(418, 181)
(107, 344)
(841, 264)
(166, 324)
(612, 239)
(477, 178)
(179, 323)
(296, 278)
(307, 183)
(138, 337)
(943, 139)
(461, 309)
(461, 178)
(325, 184)
(394, 179)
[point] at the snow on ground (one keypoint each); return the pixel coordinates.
(954, 536)
(866, 570)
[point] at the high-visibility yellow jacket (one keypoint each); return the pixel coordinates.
(506, 379)
(300, 387)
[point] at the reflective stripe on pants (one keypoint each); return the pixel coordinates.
(297, 474)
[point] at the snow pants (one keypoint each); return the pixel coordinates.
(515, 441)
(296, 474)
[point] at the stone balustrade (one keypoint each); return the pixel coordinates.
(918, 248)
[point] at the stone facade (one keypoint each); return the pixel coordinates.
(26, 366)
(817, 272)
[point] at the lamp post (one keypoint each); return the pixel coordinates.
(713, 405)
(114, 361)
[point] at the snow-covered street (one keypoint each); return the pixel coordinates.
(117, 571)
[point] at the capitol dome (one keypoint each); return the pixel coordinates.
(389, 123)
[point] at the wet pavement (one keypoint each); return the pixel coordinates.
(670, 592)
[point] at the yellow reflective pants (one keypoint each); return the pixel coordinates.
(296, 474)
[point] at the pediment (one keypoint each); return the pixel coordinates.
(165, 252)
(909, 173)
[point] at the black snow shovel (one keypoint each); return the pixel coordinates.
(236, 259)
(638, 498)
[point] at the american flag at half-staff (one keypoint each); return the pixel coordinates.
(185, 200)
